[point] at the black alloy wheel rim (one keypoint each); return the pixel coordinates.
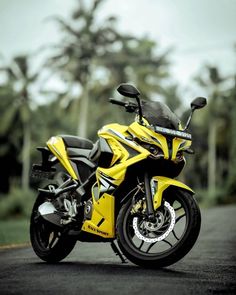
(46, 234)
(167, 245)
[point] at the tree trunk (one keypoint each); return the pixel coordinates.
(83, 114)
(26, 156)
(212, 159)
(232, 147)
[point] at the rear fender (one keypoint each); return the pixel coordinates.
(45, 153)
(46, 169)
(159, 184)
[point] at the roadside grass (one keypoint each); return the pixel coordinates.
(14, 231)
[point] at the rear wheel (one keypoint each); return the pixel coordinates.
(48, 241)
(164, 241)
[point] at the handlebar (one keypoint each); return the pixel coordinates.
(118, 102)
(129, 106)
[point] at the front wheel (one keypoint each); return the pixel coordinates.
(165, 241)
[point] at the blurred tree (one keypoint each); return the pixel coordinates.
(218, 105)
(96, 56)
(137, 61)
(195, 171)
(10, 137)
(232, 142)
(19, 80)
(84, 40)
(172, 98)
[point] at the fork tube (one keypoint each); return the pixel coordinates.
(148, 194)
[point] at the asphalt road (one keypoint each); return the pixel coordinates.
(93, 268)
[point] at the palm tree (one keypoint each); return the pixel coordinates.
(214, 84)
(232, 143)
(172, 98)
(137, 61)
(83, 43)
(89, 49)
(10, 135)
(20, 79)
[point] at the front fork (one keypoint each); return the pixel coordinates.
(149, 198)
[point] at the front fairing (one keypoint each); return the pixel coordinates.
(168, 147)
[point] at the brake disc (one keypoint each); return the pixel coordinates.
(152, 227)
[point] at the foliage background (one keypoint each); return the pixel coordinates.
(90, 58)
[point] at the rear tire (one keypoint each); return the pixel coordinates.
(134, 247)
(48, 241)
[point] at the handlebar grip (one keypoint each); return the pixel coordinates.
(118, 102)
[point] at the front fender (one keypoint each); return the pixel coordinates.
(160, 183)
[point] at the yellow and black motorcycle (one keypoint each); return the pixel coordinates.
(122, 188)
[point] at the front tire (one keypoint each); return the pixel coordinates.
(160, 244)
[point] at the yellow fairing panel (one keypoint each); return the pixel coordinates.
(149, 136)
(119, 152)
(57, 147)
(162, 184)
(102, 222)
(179, 144)
(115, 135)
(117, 172)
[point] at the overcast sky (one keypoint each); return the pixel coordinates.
(201, 31)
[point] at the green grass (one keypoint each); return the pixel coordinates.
(14, 231)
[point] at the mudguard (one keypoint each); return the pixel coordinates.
(160, 183)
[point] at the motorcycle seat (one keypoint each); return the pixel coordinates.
(88, 156)
(75, 152)
(77, 142)
(91, 154)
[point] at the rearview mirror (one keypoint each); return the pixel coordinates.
(128, 90)
(198, 103)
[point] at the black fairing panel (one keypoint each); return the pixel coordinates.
(106, 154)
(83, 170)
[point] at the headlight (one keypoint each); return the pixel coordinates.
(174, 133)
(153, 149)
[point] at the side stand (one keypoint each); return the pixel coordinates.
(118, 252)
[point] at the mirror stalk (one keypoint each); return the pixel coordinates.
(197, 103)
(189, 119)
(140, 112)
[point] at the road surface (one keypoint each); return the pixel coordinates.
(93, 268)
